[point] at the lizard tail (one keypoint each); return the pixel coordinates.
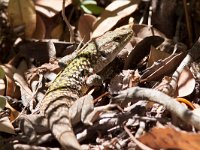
(57, 113)
(61, 128)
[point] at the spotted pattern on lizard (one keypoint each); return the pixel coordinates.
(69, 85)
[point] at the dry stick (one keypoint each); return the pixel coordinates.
(139, 144)
(193, 54)
(33, 147)
(136, 93)
(108, 121)
(67, 23)
(188, 22)
(141, 129)
(174, 81)
(51, 50)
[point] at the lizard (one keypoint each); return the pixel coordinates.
(69, 85)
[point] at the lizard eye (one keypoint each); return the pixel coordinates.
(117, 39)
(103, 54)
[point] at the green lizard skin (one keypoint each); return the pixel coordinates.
(69, 85)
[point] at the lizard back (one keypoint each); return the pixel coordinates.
(69, 84)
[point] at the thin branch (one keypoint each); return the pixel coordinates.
(67, 22)
(188, 22)
(139, 144)
(33, 147)
(136, 93)
(193, 55)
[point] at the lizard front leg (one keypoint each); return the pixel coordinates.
(83, 110)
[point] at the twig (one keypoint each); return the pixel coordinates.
(174, 81)
(140, 130)
(141, 145)
(193, 54)
(52, 50)
(136, 93)
(67, 22)
(188, 22)
(25, 146)
(110, 120)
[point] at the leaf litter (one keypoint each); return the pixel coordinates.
(162, 57)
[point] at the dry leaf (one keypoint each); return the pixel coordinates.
(170, 138)
(22, 13)
(164, 67)
(50, 8)
(186, 83)
(14, 113)
(121, 81)
(57, 31)
(40, 30)
(141, 49)
(155, 55)
(112, 14)
(85, 26)
(143, 31)
(6, 125)
(26, 93)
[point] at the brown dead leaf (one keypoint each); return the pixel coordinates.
(40, 30)
(47, 68)
(164, 83)
(6, 125)
(155, 55)
(134, 81)
(143, 31)
(123, 81)
(14, 113)
(26, 93)
(50, 7)
(22, 13)
(112, 14)
(57, 31)
(186, 83)
(85, 26)
(164, 67)
(170, 138)
(141, 50)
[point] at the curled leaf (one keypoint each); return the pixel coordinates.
(85, 26)
(22, 13)
(186, 83)
(112, 14)
(6, 126)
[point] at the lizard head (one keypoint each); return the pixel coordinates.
(110, 44)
